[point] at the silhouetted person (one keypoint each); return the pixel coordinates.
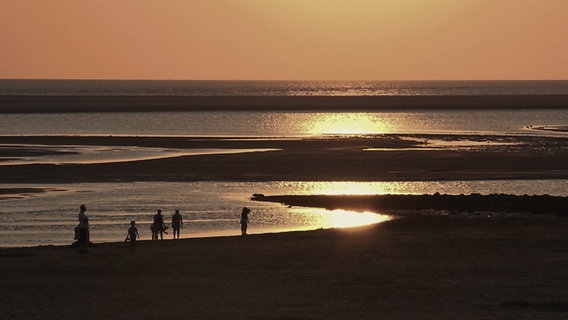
(177, 223)
(159, 227)
(244, 220)
(83, 229)
(132, 235)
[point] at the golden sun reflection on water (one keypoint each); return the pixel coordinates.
(346, 219)
(346, 187)
(340, 218)
(346, 123)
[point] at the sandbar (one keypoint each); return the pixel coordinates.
(334, 158)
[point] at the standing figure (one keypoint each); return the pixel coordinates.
(132, 235)
(158, 227)
(83, 227)
(244, 220)
(177, 223)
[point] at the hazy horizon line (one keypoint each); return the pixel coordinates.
(284, 80)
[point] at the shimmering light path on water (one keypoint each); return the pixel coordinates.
(284, 124)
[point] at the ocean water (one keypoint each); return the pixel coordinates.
(212, 208)
(286, 124)
(278, 88)
(279, 123)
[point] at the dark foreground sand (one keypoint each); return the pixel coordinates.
(413, 268)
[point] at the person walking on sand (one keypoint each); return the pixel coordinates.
(244, 220)
(132, 235)
(159, 227)
(177, 223)
(83, 229)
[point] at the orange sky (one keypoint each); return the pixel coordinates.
(284, 39)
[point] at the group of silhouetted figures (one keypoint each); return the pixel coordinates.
(158, 228)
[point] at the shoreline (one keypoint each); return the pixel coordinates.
(404, 206)
(125, 103)
(419, 267)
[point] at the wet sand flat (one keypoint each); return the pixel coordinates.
(413, 268)
(349, 158)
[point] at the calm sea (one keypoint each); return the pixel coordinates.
(278, 88)
(279, 123)
(212, 208)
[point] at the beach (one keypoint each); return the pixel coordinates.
(329, 160)
(422, 268)
(470, 261)
(472, 266)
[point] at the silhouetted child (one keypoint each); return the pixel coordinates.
(132, 235)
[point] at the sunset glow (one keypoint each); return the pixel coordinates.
(347, 219)
(289, 40)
